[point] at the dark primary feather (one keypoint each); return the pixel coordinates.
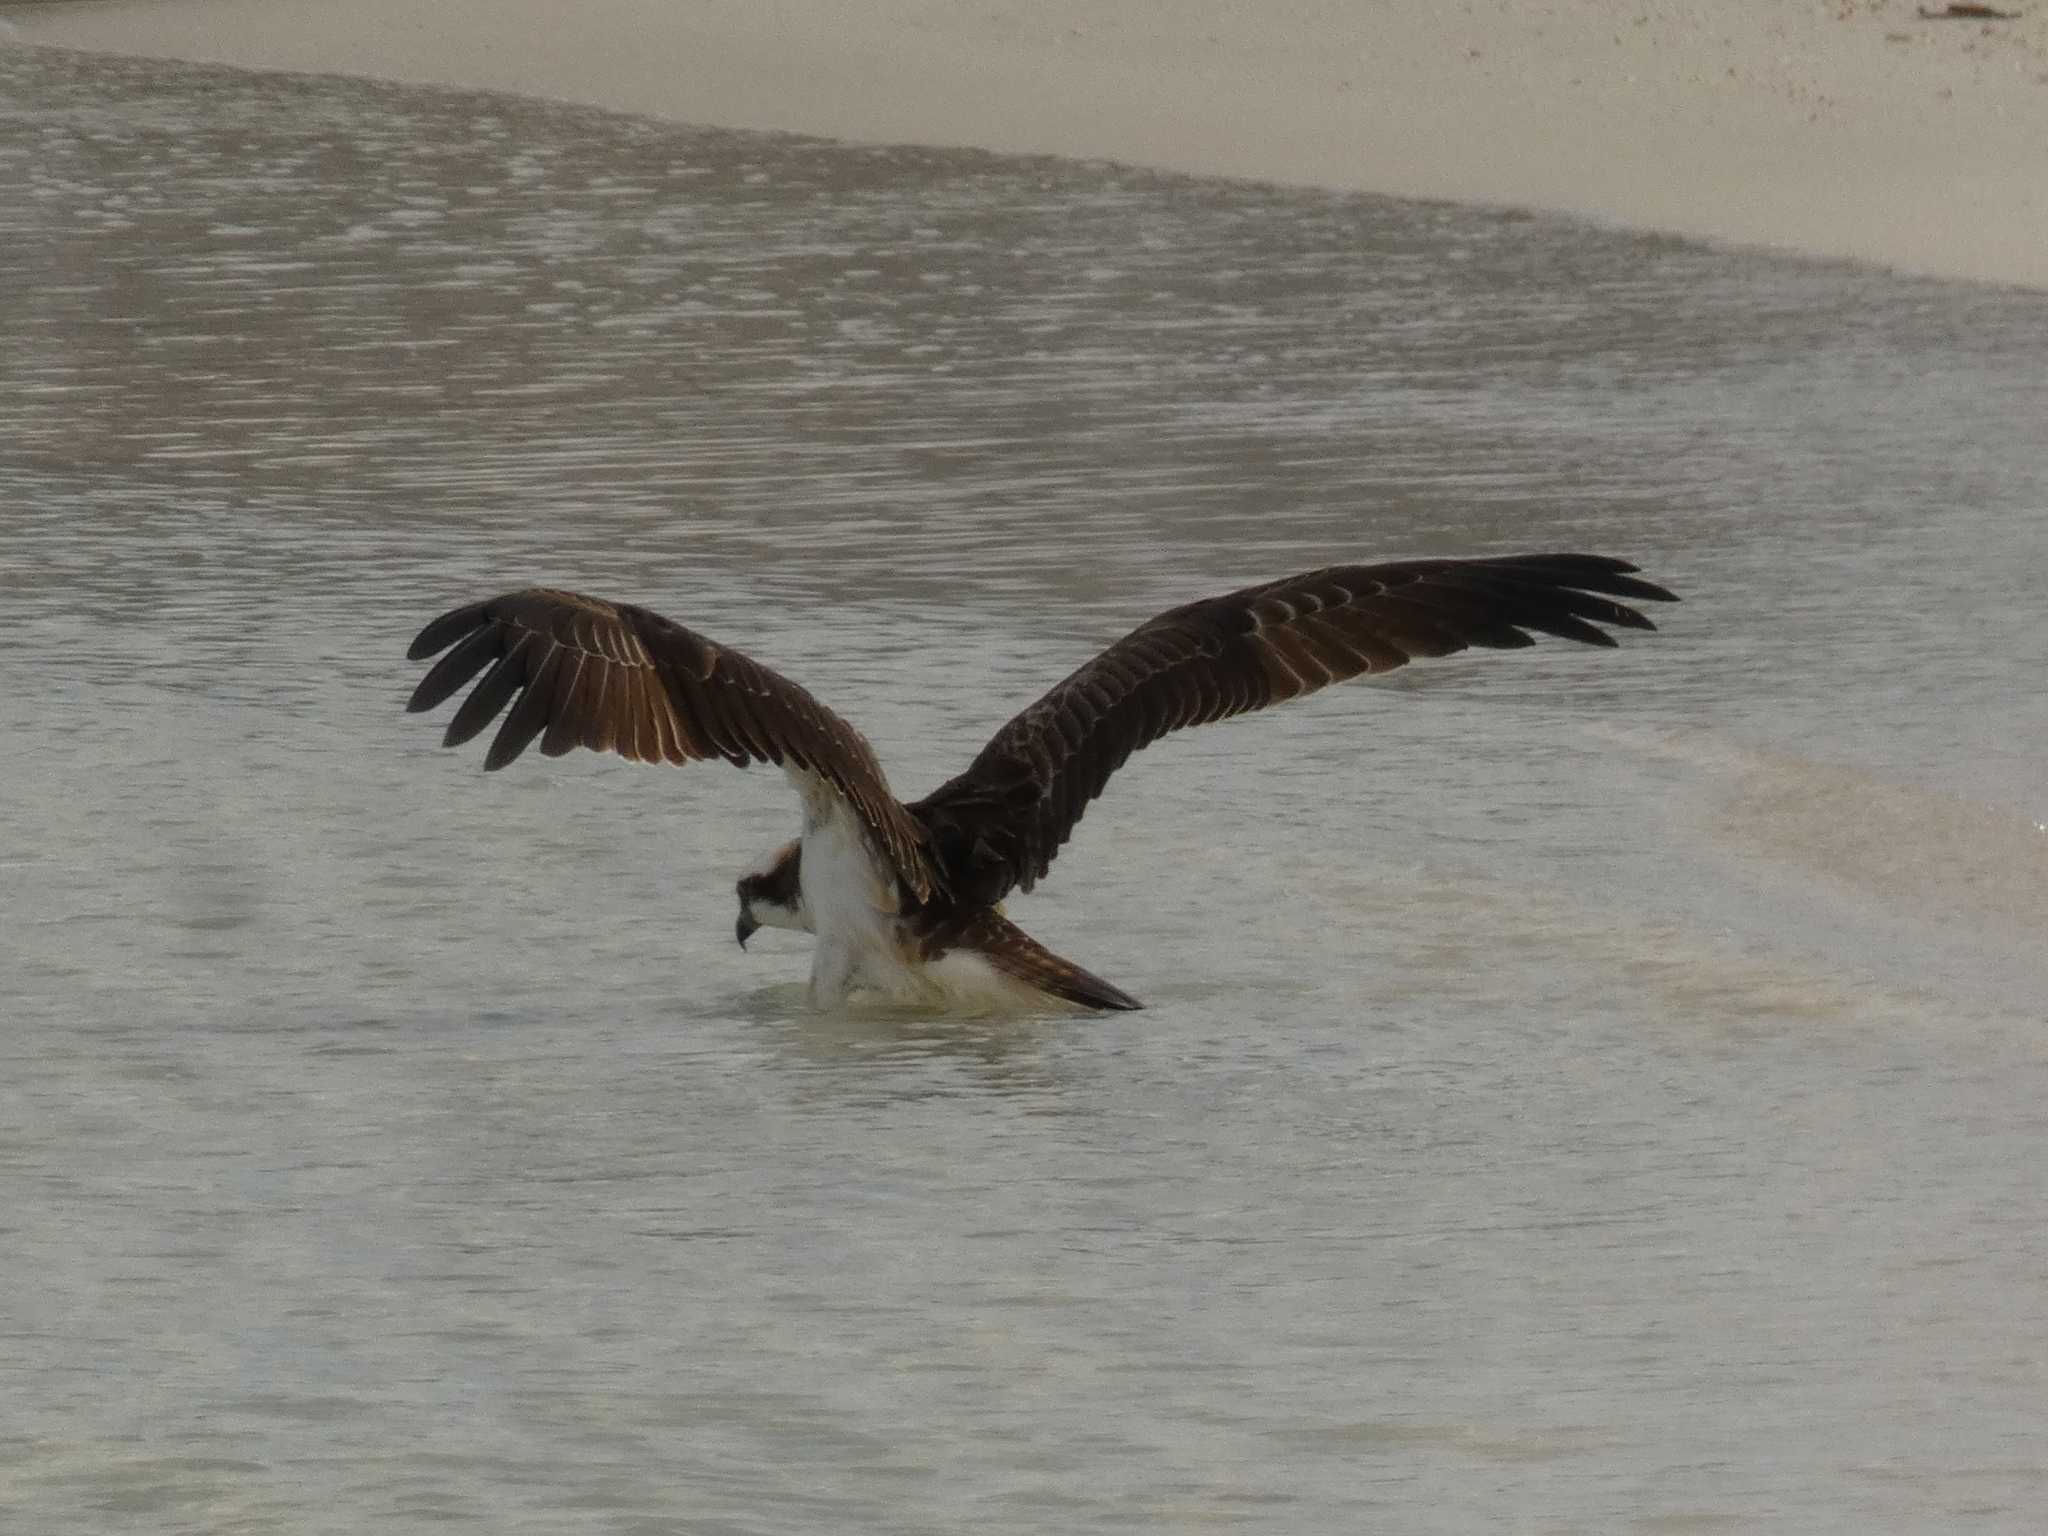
(580, 672)
(998, 825)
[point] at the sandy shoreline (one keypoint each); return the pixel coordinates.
(1847, 128)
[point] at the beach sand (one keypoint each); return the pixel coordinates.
(1844, 128)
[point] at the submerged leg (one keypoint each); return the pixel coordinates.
(833, 967)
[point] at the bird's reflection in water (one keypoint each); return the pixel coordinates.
(877, 1051)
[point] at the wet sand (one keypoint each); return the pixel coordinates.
(1851, 129)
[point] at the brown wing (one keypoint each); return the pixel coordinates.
(617, 678)
(998, 825)
(1010, 950)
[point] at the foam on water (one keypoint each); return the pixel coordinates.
(1931, 890)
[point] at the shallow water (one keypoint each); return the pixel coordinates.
(1581, 1091)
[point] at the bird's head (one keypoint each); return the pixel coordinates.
(772, 896)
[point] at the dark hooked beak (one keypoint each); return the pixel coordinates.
(744, 929)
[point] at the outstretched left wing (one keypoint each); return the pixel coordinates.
(618, 678)
(997, 826)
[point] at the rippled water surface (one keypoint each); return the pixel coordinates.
(1581, 1091)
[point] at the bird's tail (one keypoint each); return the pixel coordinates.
(1013, 952)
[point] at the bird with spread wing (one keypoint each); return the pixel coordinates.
(906, 899)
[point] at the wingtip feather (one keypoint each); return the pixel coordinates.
(443, 632)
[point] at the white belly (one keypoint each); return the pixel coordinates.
(850, 896)
(851, 899)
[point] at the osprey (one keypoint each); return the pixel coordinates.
(905, 899)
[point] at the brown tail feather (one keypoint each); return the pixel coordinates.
(1017, 955)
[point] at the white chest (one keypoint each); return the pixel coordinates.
(851, 900)
(850, 897)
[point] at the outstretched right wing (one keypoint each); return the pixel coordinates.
(997, 826)
(616, 678)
